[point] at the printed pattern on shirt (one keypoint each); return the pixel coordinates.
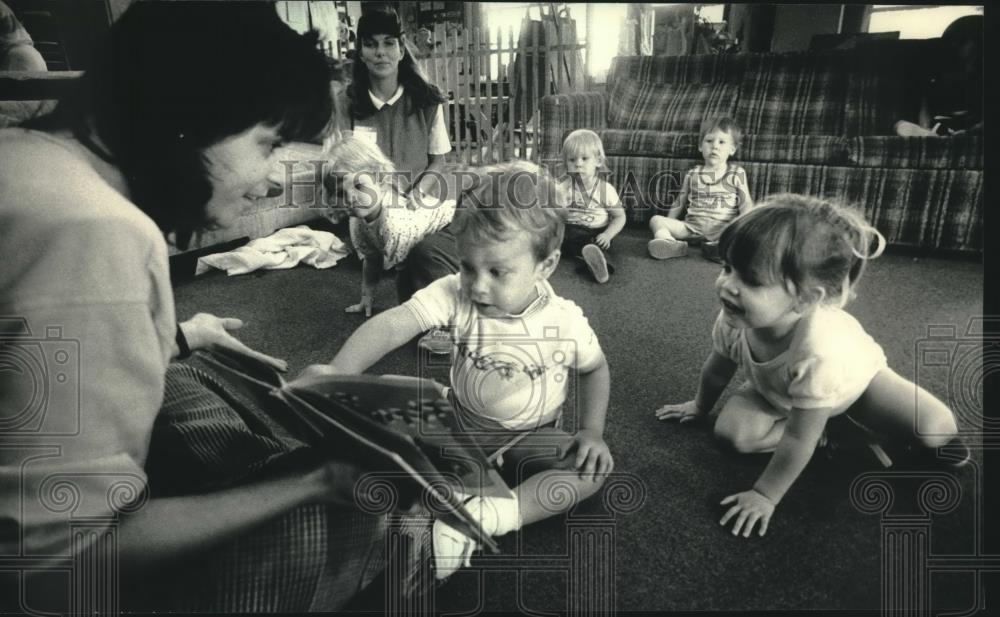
(512, 370)
(398, 228)
(714, 200)
(589, 208)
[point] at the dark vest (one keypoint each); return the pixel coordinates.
(403, 134)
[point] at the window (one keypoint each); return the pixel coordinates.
(714, 13)
(603, 41)
(917, 21)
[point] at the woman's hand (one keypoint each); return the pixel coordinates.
(750, 507)
(335, 482)
(204, 330)
(364, 306)
(593, 457)
(683, 412)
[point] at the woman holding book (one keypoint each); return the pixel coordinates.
(158, 139)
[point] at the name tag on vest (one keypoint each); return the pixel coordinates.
(367, 133)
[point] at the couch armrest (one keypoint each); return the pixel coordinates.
(562, 113)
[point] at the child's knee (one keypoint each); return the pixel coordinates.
(938, 428)
(727, 433)
(735, 436)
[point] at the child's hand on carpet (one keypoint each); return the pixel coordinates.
(751, 508)
(603, 240)
(364, 306)
(593, 457)
(683, 412)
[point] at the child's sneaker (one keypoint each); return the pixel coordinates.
(710, 251)
(437, 341)
(661, 248)
(452, 550)
(593, 256)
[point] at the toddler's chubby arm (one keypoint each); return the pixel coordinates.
(616, 212)
(802, 432)
(680, 204)
(369, 343)
(716, 373)
(593, 458)
(745, 200)
(371, 272)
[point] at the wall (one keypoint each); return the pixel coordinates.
(795, 24)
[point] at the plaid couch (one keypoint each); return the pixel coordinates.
(814, 123)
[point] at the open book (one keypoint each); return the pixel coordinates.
(400, 429)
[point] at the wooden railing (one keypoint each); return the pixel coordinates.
(494, 88)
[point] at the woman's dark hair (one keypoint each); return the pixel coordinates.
(385, 20)
(172, 78)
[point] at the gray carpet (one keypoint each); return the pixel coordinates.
(666, 549)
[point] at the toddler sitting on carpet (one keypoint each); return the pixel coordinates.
(514, 343)
(595, 214)
(712, 194)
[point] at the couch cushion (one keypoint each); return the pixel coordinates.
(962, 152)
(647, 185)
(705, 68)
(815, 149)
(668, 107)
(620, 142)
(949, 216)
(793, 94)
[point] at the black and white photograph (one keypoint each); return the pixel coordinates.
(476, 308)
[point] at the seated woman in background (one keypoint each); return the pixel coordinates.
(952, 99)
(391, 103)
(173, 130)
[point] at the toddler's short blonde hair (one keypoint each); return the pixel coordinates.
(581, 141)
(512, 197)
(356, 155)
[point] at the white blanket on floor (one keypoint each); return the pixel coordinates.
(285, 248)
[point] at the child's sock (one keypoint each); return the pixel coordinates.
(496, 515)
(453, 549)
